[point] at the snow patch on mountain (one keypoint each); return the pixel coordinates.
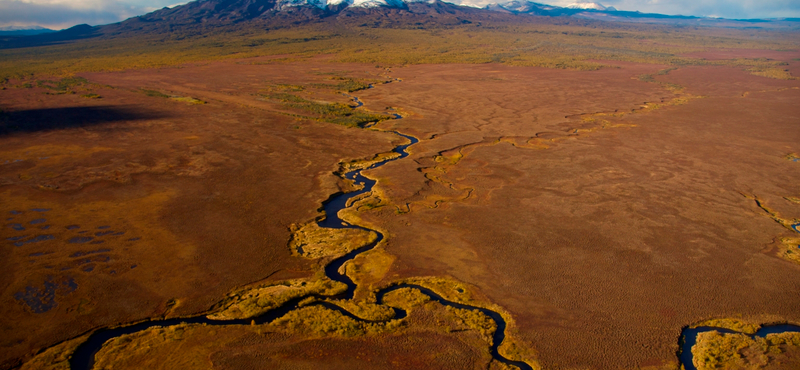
(586, 5)
(525, 6)
(285, 4)
(379, 3)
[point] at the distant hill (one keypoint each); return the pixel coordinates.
(23, 31)
(201, 15)
(74, 33)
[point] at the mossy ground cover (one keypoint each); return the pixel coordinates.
(345, 84)
(338, 113)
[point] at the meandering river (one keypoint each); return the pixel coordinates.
(83, 358)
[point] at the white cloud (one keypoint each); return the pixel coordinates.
(59, 14)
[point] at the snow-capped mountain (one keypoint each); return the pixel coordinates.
(586, 5)
(517, 6)
(195, 17)
(529, 7)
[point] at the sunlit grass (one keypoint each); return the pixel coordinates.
(551, 46)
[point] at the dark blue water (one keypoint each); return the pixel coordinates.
(80, 239)
(83, 358)
(36, 239)
(689, 338)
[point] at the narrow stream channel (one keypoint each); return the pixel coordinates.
(83, 358)
(689, 335)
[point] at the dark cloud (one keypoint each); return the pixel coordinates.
(62, 15)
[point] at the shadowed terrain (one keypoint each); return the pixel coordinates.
(48, 119)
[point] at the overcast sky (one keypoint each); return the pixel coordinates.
(59, 14)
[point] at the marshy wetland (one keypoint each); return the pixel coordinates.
(329, 207)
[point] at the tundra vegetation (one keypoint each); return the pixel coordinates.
(715, 350)
(312, 241)
(730, 324)
(254, 301)
(542, 45)
(552, 46)
(338, 113)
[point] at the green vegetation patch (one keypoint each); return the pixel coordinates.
(347, 85)
(188, 100)
(65, 85)
(338, 113)
(649, 78)
(184, 99)
(155, 94)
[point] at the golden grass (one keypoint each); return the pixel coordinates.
(455, 291)
(188, 100)
(474, 320)
(369, 269)
(56, 357)
(357, 164)
(312, 241)
(788, 248)
(254, 301)
(405, 298)
(731, 324)
(139, 347)
(316, 320)
(738, 351)
(550, 46)
(366, 310)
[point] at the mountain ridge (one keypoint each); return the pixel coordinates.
(198, 15)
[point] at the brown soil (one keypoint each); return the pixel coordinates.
(722, 54)
(602, 212)
(256, 347)
(169, 206)
(604, 245)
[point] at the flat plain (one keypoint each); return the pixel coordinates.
(599, 211)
